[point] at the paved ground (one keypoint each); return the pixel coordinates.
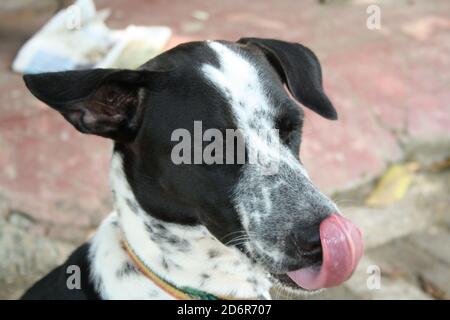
(390, 87)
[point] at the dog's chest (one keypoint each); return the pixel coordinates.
(116, 276)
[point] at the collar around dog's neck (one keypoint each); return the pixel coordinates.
(181, 293)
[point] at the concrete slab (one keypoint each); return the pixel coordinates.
(436, 243)
(25, 258)
(416, 263)
(422, 206)
(389, 289)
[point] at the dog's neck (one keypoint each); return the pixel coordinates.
(187, 256)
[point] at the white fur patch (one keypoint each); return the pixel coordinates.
(239, 80)
(108, 257)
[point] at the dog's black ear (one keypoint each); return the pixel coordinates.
(300, 69)
(104, 102)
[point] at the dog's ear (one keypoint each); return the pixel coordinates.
(104, 102)
(300, 70)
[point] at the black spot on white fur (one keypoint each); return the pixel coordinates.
(165, 263)
(127, 269)
(213, 253)
(132, 205)
(160, 227)
(148, 227)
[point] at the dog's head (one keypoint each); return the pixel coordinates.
(206, 90)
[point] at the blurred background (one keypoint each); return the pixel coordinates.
(386, 161)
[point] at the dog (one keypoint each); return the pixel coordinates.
(199, 230)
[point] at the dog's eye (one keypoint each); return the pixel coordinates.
(286, 129)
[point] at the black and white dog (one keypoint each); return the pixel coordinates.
(211, 231)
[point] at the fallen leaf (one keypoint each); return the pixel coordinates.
(441, 165)
(393, 185)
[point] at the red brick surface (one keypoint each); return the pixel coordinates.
(387, 85)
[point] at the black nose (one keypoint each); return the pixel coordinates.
(305, 246)
(308, 237)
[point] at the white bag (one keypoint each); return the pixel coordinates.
(78, 38)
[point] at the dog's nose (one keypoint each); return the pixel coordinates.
(306, 245)
(307, 238)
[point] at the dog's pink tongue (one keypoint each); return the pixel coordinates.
(342, 247)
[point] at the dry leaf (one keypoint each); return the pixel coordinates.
(441, 165)
(393, 185)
